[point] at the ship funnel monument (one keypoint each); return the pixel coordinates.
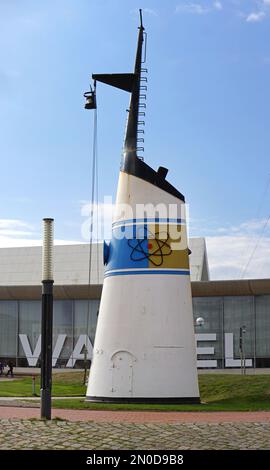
(144, 350)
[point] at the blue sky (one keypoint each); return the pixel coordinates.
(208, 116)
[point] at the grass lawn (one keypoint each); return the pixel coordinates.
(69, 384)
(219, 392)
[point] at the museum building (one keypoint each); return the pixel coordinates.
(225, 306)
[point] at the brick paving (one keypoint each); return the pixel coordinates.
(20, 428)
(25, 410)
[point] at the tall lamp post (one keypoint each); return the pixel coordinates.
(47, 319)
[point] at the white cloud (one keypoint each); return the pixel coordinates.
(198, 8)
(6, 224)
(255, 17)
(218, 5)
(251, 227)
(229, 256)
(147, 11)
(13, 230)
(241, 251)
(150, 11)
(16, 233)
(193, 8)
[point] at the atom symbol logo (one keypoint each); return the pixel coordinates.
(153, 249)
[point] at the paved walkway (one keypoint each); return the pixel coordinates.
(101, 416)
(27, 434)
(21, 428)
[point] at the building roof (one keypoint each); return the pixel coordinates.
(21, 266)
(234, 288)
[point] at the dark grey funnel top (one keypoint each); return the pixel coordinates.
(131, 163)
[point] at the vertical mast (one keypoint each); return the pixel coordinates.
(130, 144)
(131, 82)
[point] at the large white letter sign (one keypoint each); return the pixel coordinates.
(205, 350)
(32, 357)
(77, 353)
(229, 353)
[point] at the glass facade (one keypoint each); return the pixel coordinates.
(218, 339)
(8, 328)
(20, 330)
(211, 310)
(262, 329)
(239, 312)
(223, 319)
(29, 323)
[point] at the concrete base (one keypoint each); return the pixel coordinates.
(148, 400)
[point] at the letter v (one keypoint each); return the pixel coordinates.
(32, 358)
